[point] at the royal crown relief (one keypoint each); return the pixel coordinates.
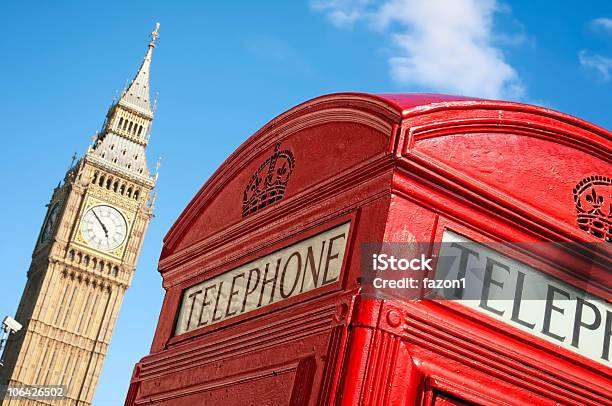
(268, 183)
(593, 201)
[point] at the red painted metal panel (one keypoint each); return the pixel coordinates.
(401, 168)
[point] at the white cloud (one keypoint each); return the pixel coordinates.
(342, 13)
(602, 23)
(601, 64)
(440, 45)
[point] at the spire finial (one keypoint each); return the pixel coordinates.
(154, 35)
(137, 94)
(157, 165)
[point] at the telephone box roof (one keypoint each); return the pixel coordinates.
(396, 110)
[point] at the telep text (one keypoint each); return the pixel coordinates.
(526, 298)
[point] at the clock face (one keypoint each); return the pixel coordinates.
(50, 223)
(104, 228)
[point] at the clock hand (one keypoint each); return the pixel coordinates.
(100, 221)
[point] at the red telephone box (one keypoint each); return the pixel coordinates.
(265, 301)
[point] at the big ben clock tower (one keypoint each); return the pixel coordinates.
(85, 255)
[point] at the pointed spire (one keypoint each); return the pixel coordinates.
(137, 94)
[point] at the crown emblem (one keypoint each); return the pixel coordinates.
(593, 200)
(268, 183)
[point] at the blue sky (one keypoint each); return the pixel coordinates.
(223, 69)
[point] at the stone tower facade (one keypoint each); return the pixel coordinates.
(86, 255)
